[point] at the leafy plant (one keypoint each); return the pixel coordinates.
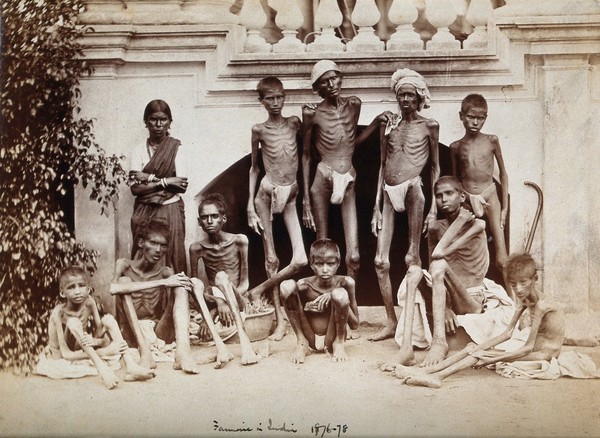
(45, 149)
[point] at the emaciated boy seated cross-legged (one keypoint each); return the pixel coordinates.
(543, 343)
(146, 289)
(70, 338)
(321, 305)
(219, 264)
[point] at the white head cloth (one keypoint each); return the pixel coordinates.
(321, 67)
(405, 76)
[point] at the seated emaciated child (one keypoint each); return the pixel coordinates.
(219, 264)
(146, 289)
(76, 331)
(543, 343)
(321, 305)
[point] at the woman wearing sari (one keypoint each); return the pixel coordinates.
(157, 187)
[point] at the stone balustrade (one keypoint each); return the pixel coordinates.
(324, 26)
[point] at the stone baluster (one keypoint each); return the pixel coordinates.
(289, 18)
(478, 15)
(253, 18)
(441, 14)
(327, 18)
(403, 14)
(365, 16)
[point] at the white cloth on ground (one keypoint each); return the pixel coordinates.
(497, 313)
(70, 369)
(498, 310)
(569, 364)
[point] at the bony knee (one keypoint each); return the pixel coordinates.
(108, 320)
(414, 274)
(299, 263)
(272, 264)
(382, 265)
(287, 288)
(353, 261)
(412, 260)
(197, 285)
(221, 278)
(437, 269)
(74, 324)
(340, 296)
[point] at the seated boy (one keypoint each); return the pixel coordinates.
(219, 264)
(459, 260)
(146, 289)
(76, 330)
(321, 305)
(543, 343)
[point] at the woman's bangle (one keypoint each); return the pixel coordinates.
(163, 182)
(151, 178)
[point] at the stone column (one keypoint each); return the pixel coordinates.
(567, 180)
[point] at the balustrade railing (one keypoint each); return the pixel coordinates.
(292, 26)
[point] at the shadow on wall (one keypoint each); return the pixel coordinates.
(233, 185)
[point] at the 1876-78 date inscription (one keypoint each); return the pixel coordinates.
(320, 430)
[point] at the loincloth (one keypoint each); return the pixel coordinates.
(397, 193)
(339, 181)
(478, 202)
(280, 195)
(478, 294)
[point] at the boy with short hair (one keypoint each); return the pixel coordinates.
(219, 265)
(473, 164)
(69, 335)
(147, 289)
(543, 343)
(459, 260)
(277, 191)
(333, 121)
(321, 305)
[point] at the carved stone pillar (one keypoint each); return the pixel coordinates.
(568, 180)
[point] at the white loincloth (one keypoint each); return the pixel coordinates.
(397, 193)
(478, 202)
(568, 364)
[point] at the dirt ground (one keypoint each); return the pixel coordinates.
(278, 398)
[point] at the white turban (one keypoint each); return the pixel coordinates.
(322, 67)
(405, 76)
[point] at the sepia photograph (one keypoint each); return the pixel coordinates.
(300, 218)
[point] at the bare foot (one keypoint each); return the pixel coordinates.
(429, 380)
(279, 332)
(249, 357)
(300, 353)
(137, 373)
(402, 372)
(351, 334)
(386, 367)
(385, 333)
(210, 358)
(437, 353)
(187, 365)
(406, 357)
(339, 352)
(223, 356)
(108, 376)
